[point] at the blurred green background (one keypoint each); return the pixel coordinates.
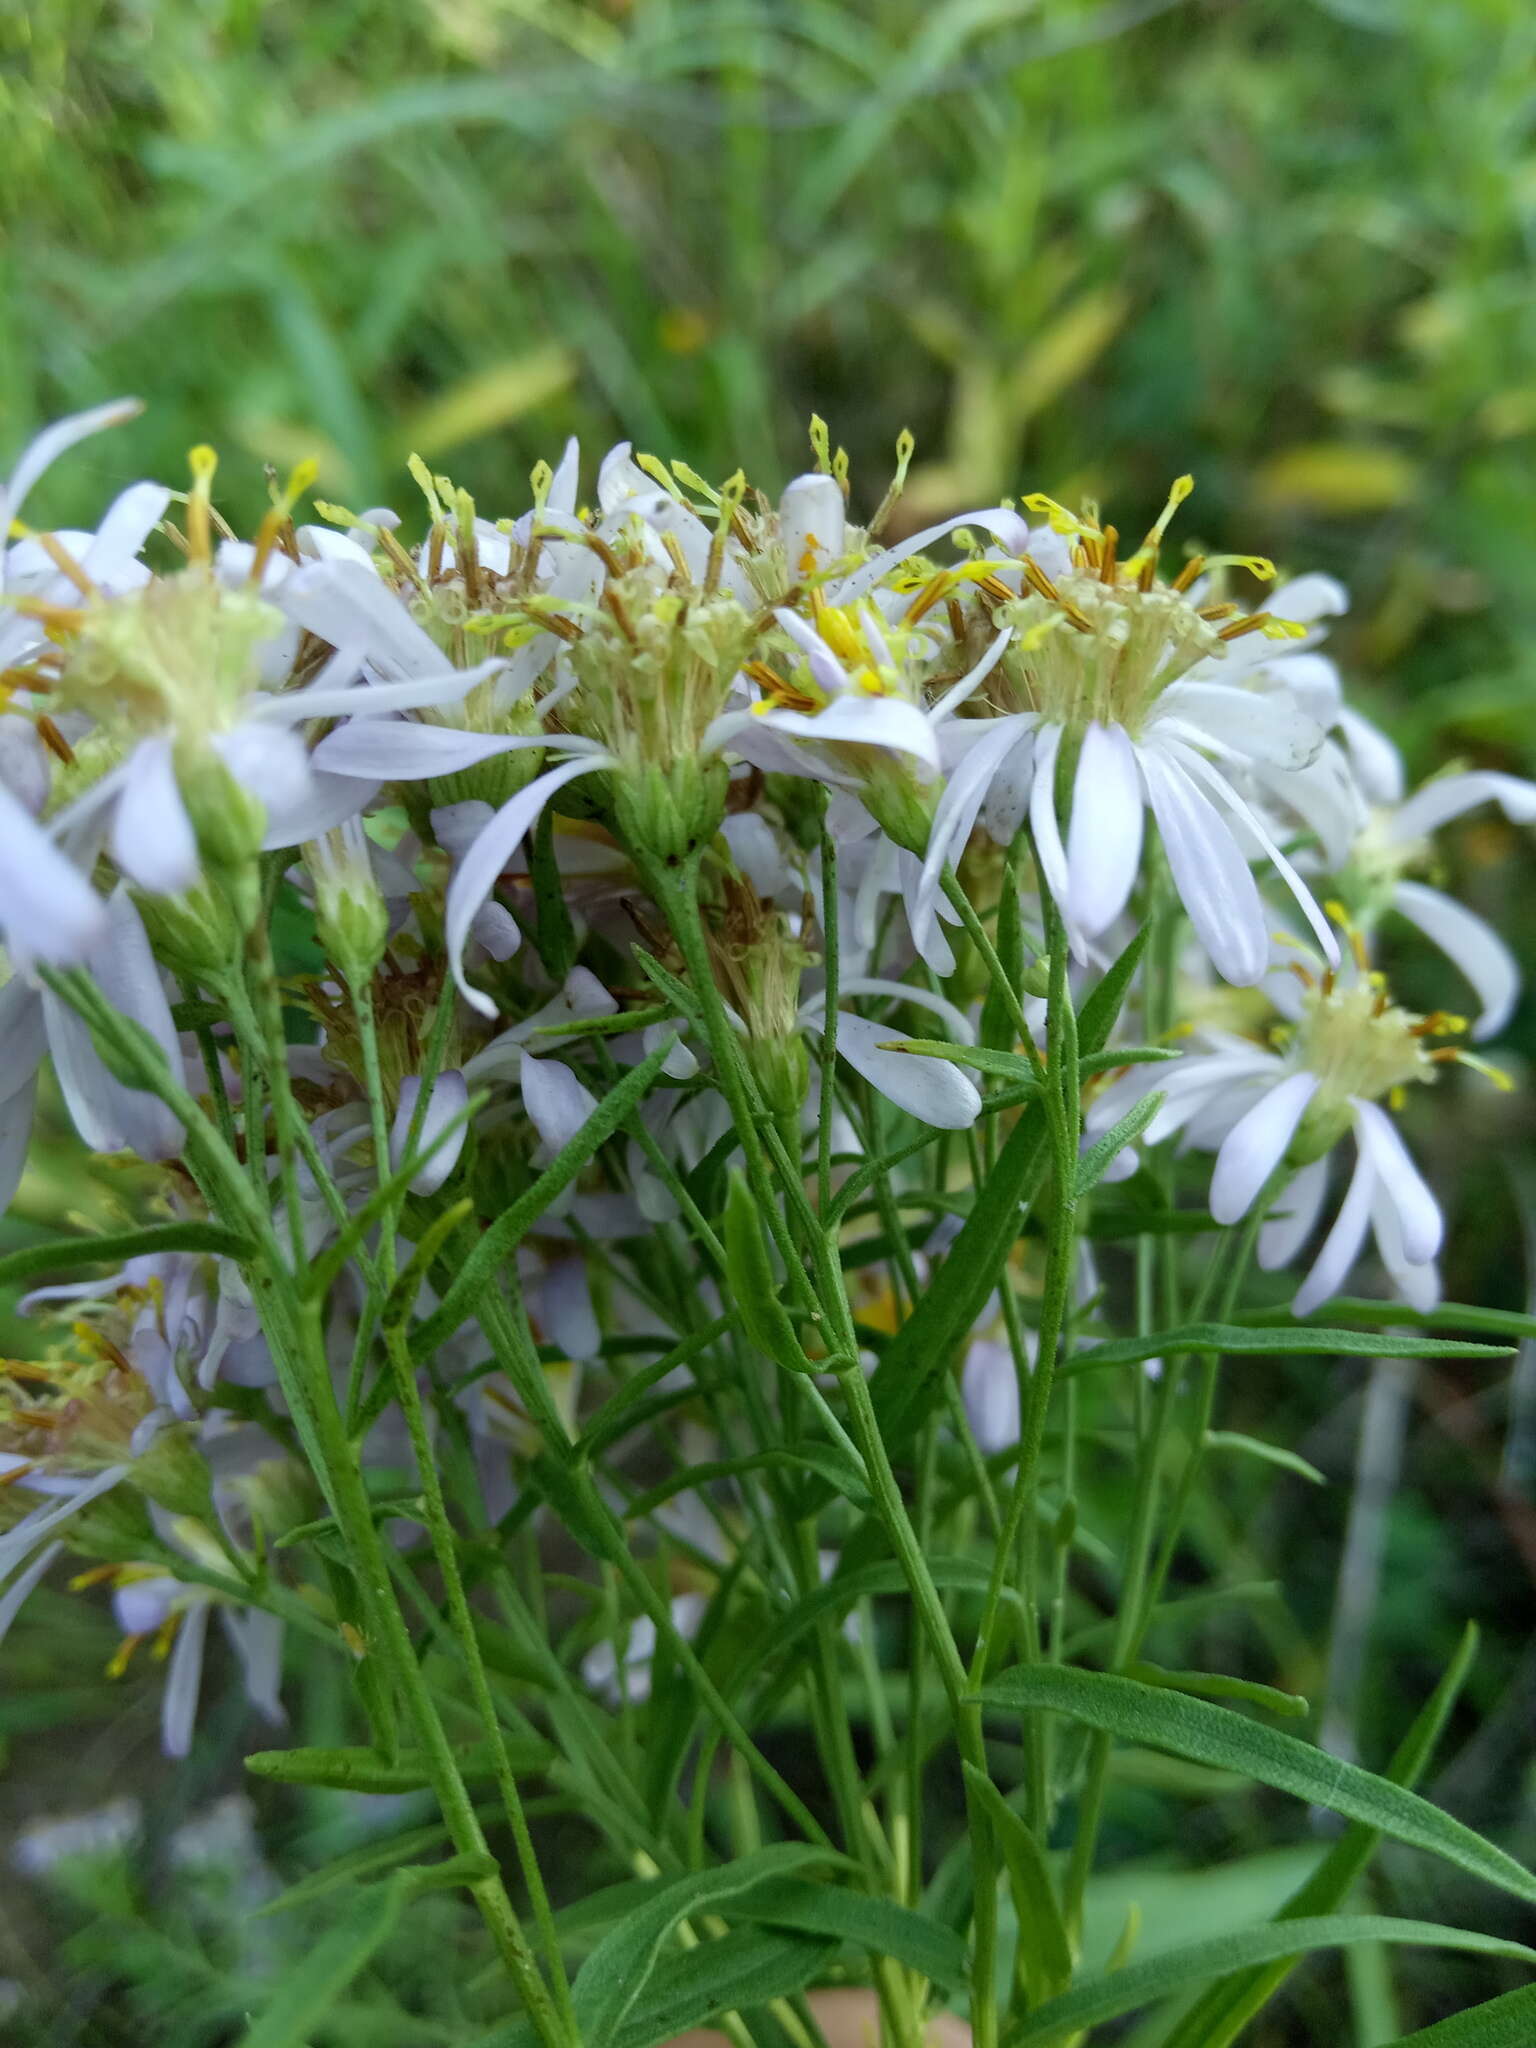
(1075, 247)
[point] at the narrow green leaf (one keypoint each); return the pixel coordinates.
(1450, 1315)
(364, 1770)
(997, 1019)
(1117, 1057)
(1226, 1741)
(497, 1242)
(1101, 1010)
(369, 1859)
(1216, 1685)
(313, 1983)
(1237, 1340)
(1507, 2022)
(614, 1417)
(825, 1460)
(1270, 1454)
(1044, 1947)
(742, 1971)
(905, 1385)
(1221, 2013)
(1176, 1970)
(1095, 1162)
(752, 1284)
(1008, 1066)
(618, 1969)
(877, 1925)
(324, 1270)
(65, 1253)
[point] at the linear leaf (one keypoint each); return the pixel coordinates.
(1008, 1066)
(1269, 1454)
(614, 1975)
(1450, 1315)
(747, 1968)
(906, 1382)
(1221, 2013)
(1044, 1947)
(824, 1460)
(65, 1253)
(878, 1925)
(364, 1770)
(1226, 1741)
(1237, 1340)
(1507, 2022)
(313, 1984)
(1095, 1162)
(1175, 1970)
(480, 1268)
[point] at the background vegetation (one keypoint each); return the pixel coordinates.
(1077, 247)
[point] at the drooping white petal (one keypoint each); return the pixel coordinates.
(21, 1540)
(958, 693)
(184, 1681)
(151, 837)
(1416, 1280)
(268, 761)
(1256, 1144)
(388, 750)
(1294, 1216)
(1419, 1213)
(110, 1116)
(448, 1100)
(1377, 764)
(257, 1639)
(24, 766)
(111, 560)
(1473, 945)
(889, 722)
(48, 910)
(1254, 725)
(989, 1387)
(935, 1091)
(861, 581)
(1209, 872)
(1452, 795)
(16, 1109)
(1341, 1247)
(476, 873)
(347, 605)
(955, 1021)
(964, 794)
(1050, 854)
(1105, 833)
(317, 807)
(555, 1100)
(45, 449)
(14, 1598)
(329, 698)
(566, 1311)
(1306, 599)
(1251, 822)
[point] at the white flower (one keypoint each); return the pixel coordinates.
(1129, 672)
(1262, 1111)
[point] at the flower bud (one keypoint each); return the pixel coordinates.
(351, 915)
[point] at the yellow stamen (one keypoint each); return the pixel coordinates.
(122, 1656)
(203, 461)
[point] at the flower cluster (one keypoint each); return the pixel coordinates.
(675, 784)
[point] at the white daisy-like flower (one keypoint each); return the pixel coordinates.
(1261, 1109)
(1128, 673)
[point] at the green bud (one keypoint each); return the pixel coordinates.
(351, 916)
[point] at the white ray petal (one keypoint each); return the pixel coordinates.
(391, 750)
(151, 837)
(1341, 1247)
(1105, 834)
(1209, 871)
(1473, 945)
(1450, 796)
(475, 875)
(935, 1091)
(448, 1100)
(1404, 1186)
(1294, 1216)
(1256, 1144)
